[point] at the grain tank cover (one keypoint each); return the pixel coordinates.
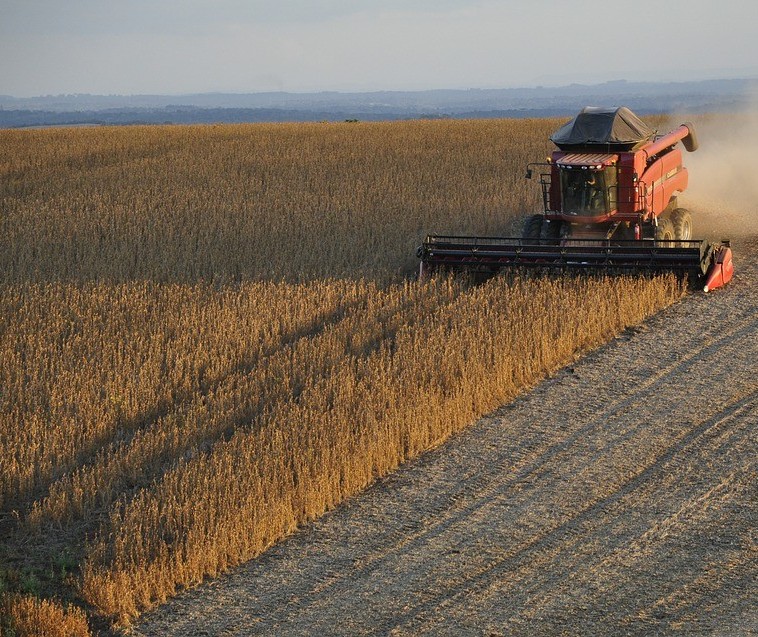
(616, 129)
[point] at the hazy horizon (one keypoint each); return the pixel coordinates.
(166, 47)
(535, 87)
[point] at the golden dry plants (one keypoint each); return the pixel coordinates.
(28, 616)
(242, 202)
(208, 336)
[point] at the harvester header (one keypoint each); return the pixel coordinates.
(609, 196)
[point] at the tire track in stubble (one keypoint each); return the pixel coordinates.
(574, 564)
(486, 577)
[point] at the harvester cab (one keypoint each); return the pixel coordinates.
(587, 192)
(609, 195)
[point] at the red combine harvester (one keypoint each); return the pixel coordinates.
(610, 203)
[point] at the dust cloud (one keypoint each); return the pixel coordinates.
(723, 184)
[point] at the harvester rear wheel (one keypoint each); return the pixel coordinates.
(665, 230)
(550, 233)
(533, 227)
(682, 221)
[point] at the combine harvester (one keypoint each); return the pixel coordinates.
(610, 204)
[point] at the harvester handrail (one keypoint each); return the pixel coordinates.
(635, 195)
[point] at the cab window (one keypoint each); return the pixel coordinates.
(588, 191)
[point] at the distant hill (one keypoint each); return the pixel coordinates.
(642, 97)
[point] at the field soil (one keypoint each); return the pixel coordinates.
(617, 497)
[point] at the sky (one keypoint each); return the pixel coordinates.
(126, 47)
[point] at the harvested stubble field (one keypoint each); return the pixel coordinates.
(209, 336)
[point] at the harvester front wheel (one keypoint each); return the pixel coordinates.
(665, 230)
(550, 234)
(533, 227)
(682, 221)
